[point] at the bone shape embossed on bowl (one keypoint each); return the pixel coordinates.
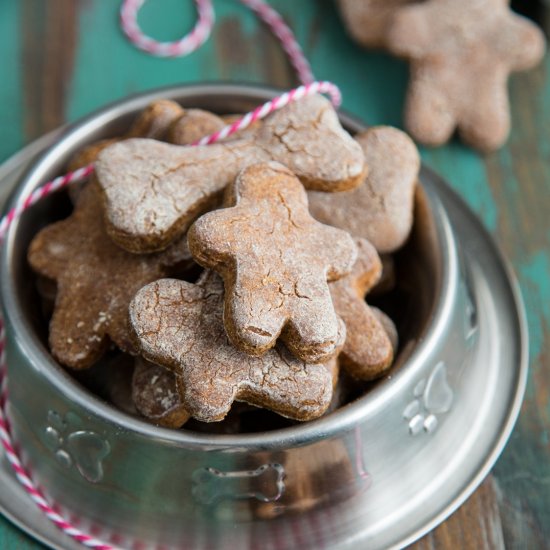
(153, 191)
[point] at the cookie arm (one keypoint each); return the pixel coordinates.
(336, 249)
(212, 240)
(314, 332)
(366, 271)
(49, 250)
(520, 43)
(367, 351)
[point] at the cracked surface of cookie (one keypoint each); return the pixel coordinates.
(95, 281)
(368, 350)
(179, 325)
(153, 191)
(156, 396)
(461, 55)
(368, 20)
(381, 208)
(275, 260)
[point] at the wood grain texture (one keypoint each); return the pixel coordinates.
(55, 72)
(477, 524)
(48, 33)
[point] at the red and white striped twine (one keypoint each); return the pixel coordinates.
(189, 43)
(186, 45)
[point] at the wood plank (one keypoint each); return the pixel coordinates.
(476, 525)
(49, 34)
(519, 176)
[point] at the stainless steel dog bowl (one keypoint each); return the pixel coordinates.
(378, 472)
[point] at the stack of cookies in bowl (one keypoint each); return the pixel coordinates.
(200, 286)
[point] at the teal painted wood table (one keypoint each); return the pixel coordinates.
(62, 59)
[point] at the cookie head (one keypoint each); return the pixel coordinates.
(368, 20)
(275, 260)
(368, 350)
(192, 125)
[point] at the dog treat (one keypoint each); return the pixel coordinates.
(275, 260)
(461, 54)
(155, 395)
(368, 351)
(368, 21)
(179, 325)
(192, 125)
(95, 281)
(153, 191)
(381, 208)
(153, 122)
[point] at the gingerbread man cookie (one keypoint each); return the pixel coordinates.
(461, 54)
(381, 208)
(95, 281)
(368, 350)
(275, 260)
(368, 20)
(153, 191)
(179, 325)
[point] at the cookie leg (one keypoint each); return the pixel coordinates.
(297, 391)
(77, 336)
(429, 116)
(207, 402)
(522, 43)
(368, 350)
(314, 333)
(253, 324)
(486, 123)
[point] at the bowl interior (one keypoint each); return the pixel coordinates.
(413, 304)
